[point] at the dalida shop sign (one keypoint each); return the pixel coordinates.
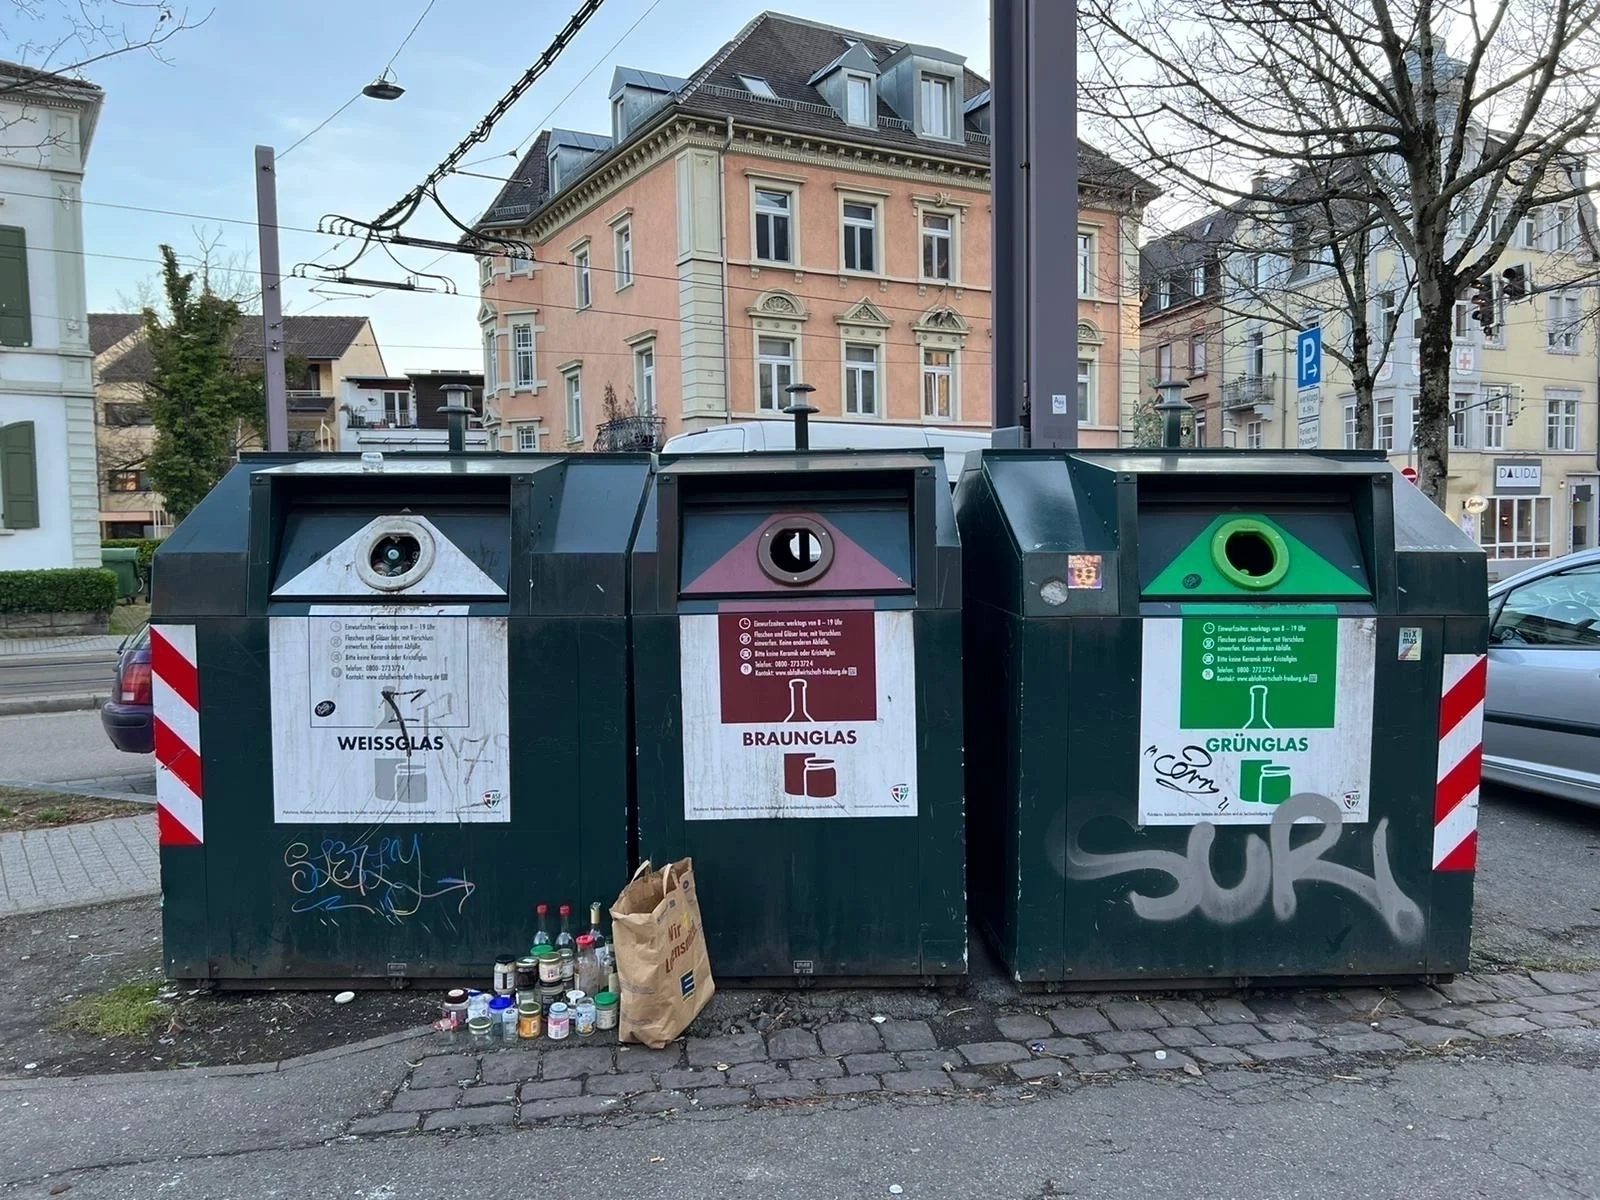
(798, 712)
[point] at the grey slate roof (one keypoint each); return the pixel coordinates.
(652, 80)
(790, 54)
(317, 339)
(107, 329)
(1176, 255)
(579, 140)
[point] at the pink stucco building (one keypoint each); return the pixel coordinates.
(811, 206)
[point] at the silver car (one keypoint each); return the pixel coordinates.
(1541, 721)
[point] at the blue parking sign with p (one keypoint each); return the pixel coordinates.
(1310, 358)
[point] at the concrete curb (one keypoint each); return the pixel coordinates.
(49, 1083)
(58, 658)
(18, 706)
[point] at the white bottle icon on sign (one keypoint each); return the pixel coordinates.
(1258, 708)
(797, 701)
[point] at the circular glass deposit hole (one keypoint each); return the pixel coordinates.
(796, 551)
(1249, 553)
(394, 555)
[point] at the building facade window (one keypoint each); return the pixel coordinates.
(491, 361)
(774, 372)
(1461, 321)
(1254, 435)
(580, 268)
(485, 271)
(1460, 409)
(397, 408)
(1564, 320)
(1255, 354)
(1383, 425)
(1197, 356)
(1388, 316)
(1516, 527)
(1197, 280)
(127, 481)
(1164, 361)
(528, 438)
(1561, 421)
(858, 100)
(938, 238)
(1086, 264)
(774, 220)
(1199, 430)
(575, 427)
(860, 236)
(1350, 426)
(624, 248)
(1164, 294)
(1494, 418)
(1528, 232)
(936, 106)
(644, 379)
(522, 356)
(938, 384)
(860, 380)
(1085, 391)
(521, 264)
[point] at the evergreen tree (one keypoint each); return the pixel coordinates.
(203, 403)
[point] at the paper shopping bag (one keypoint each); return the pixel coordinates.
(662, 966)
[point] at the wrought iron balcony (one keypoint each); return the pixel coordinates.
(636, 434)
(1247, 391)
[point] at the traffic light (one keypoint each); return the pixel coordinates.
(1483, 303)
(1515, 282)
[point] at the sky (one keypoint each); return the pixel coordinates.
(179, 136)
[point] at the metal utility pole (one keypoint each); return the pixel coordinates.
(1034, 176)
(272, 334)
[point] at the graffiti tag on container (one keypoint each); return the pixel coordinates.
(1185, 772)
(1273, 868)
(385, 878)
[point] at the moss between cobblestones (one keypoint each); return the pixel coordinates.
(129, 1010)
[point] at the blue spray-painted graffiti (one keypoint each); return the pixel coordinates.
(1272, 869)
(385, 878)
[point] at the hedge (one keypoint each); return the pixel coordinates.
(145, 546)
(69, 590)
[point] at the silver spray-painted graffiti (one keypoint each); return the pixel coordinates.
(385, 878)
(1272, 868)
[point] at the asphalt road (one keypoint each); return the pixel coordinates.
(54, 748)
(1538, 893)
(65, 675)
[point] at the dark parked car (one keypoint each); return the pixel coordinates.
(128, 717)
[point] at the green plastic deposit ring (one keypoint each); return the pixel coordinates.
(1250, 553)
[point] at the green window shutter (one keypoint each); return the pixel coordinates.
(19, 477)
(16, 315)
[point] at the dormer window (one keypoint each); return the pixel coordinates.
(758, 86)
(935, 103)
(858, 100)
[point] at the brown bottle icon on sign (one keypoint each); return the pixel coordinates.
(797, 702)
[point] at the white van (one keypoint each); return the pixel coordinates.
(738, 437)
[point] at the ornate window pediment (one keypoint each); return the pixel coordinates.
(785, 306)
(864, 312)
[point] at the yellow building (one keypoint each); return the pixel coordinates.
(1524, 467)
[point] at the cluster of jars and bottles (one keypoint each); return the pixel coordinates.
(565, 986)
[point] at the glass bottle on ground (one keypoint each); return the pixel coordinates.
(542, 936)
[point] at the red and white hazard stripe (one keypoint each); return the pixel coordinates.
(1455, 806)
(175, 690)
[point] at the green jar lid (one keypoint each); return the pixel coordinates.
(605, 1000)
(546, 951)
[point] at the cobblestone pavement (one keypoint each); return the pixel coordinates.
(455, 1086)
(34, 647)
(74, 865)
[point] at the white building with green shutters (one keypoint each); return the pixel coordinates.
(49, 501)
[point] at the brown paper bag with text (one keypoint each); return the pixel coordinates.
(662, 966)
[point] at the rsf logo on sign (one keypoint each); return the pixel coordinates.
(1308, 358)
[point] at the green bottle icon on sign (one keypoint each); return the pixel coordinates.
(1258, 708)
(1264, 782)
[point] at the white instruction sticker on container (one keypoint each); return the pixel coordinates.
(799, 712)
(391, 713)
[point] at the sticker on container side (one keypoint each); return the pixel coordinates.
(1410, 644)
(1239, 713)
(1085, 571)
(799, 712)
(395, 713)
